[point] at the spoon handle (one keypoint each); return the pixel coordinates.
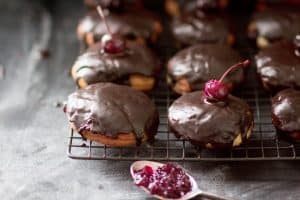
(213, 196)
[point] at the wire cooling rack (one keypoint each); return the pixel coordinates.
(264, 143)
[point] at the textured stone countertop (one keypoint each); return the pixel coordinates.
(33, 132)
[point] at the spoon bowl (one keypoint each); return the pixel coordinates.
(195, 191)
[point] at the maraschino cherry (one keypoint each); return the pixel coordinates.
(111, 43)
(216, 90)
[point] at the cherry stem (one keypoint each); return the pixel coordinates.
(101, 13)
(243, 64)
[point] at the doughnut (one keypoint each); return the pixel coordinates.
(211, 125)
(274, 23)
(137, 66)
(137, 26)
(286, 113)
(111, 114)
(190, 68)
(278, 66)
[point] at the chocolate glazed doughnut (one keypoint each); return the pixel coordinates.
(137, 66)
(203, 23)
(278, 66)
(136, 26)
(286, 113)
(213, 126)
(190, 68)
(112, 114)
(273, 24)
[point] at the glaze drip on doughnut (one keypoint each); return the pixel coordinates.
(111, 109)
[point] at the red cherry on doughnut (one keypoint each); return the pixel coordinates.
(111, 43)
(216, 90)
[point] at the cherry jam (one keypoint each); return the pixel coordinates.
(168, 181)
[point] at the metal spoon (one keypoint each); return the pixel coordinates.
(195, 191)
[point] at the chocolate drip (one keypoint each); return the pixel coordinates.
(286, 110)
(201, 63)
(278, 65)
(192, 118)
(96, 66)
(111, 109)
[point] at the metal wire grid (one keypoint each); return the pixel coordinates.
(264, 143)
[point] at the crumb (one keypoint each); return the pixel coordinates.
(58, 104)
(45, 53)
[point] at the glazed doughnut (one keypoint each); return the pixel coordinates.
(190, 68)
(278, 65)
(112, 114)
(286, 113)
(274, 23)
(136, 26)
(223, 124)
(136, 66)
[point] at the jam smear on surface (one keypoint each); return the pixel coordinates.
(168, 181)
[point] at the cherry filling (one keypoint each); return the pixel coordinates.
(216, 90)
(168, 181)
(111, 43)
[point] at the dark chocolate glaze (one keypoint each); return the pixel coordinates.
(196, 27)
(203, 62)
(276, 23)
(131, 25)
(278, 66)
(96, 66)
(286, 110)
(193, 118)
(111, 109)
